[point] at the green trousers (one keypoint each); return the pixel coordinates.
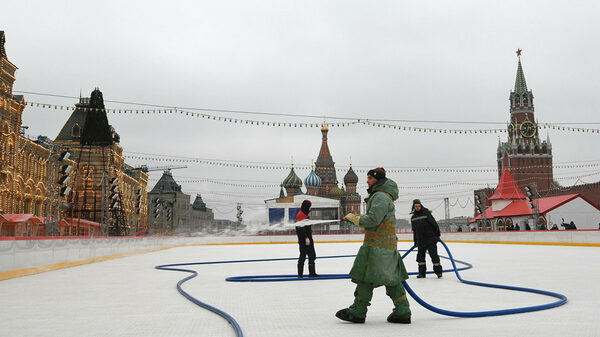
(364, 293)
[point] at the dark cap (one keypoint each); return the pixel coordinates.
(377, 173)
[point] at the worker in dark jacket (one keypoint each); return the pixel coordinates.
(305, 241)
(426, 234)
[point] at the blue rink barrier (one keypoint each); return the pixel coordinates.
(277, 278)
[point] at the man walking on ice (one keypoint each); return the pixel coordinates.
(378, 262)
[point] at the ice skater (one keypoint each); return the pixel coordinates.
(378, 262)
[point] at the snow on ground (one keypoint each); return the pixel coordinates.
(128, 297)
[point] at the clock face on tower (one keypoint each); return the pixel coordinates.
(527, 129)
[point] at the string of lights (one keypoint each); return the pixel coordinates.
(426, 197)
(340, 168)
(303, 124)
(320, 117)
(566, 176)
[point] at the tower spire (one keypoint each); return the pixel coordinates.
(325, 166)
(2, 41)
(324, 154)
(520, 84)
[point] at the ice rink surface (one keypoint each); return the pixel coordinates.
(129, 297)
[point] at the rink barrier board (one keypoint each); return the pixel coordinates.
(590, 235)
(68, 264)
(578, 244)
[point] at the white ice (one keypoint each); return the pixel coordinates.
(128, 297)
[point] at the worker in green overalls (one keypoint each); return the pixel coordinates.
(378, 262)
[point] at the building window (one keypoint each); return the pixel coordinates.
(76, 131)
(276, 215)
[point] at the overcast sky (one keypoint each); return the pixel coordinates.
(428, 60)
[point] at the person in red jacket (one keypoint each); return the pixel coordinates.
(305, 241)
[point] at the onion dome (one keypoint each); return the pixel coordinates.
(313, 180)
(292, 180)
(350, 177)
(336, 191)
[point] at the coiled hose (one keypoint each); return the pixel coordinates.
(271, 278)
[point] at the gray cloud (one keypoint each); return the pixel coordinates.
(386, 59)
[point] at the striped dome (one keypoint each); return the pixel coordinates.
(313, 180)
(292, 180)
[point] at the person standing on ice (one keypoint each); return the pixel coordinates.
(305, 242)
(426, 234)
(378, 262)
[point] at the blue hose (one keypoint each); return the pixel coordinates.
(229, 318)
(277, 278)
(270, 278)
(562, 298)
(226, 316)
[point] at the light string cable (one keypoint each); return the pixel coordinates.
(381, 123)
(340, 168)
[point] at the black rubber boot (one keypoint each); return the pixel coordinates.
(422, 271)
(437, 269)
(300, 269)
(345, 315)
(311, 270)
(393, 318)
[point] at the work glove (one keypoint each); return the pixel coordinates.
(355, 219)
(307, 241)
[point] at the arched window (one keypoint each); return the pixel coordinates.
(525, 99)
(76, 130)
(22, 163)
(517, 99)
(28, 166)
(500, 225)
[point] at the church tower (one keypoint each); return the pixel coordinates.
(351, 201)
(527, 157)
(325, 167)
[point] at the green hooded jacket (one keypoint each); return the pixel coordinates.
(378, 261)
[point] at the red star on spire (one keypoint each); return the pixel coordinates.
(519, 52)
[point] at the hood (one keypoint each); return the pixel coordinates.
(388, 186)
(306, 206)
(423, 210)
